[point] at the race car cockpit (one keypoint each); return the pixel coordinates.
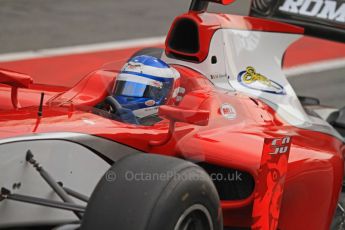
(143, 84)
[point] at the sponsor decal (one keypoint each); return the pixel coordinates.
(145, 111)
(228, 111)
(132, 66)
(251, 79)
(178, 93)
(150, 103)
(280, 145)
(323, 9)
(151, 110)
(218, 76)
(157, 84)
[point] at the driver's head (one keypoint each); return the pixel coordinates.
(144, 84)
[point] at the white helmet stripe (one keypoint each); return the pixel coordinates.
(144, 112)
(139, 79)
(150, 70)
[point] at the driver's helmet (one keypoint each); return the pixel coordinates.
(144, 84)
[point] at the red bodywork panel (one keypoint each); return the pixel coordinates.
(315, 162)
(90, 91)
(270, 184)
(224, 2)
(197, 117)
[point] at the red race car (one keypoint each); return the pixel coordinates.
(235, 148)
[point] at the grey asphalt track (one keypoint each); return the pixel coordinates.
(328, 86)
(40, 24)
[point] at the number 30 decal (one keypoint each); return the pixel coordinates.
(280, 145)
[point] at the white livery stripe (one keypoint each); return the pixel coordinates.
(138, 79)
(314, 67)
(290, 72)
(81, 49)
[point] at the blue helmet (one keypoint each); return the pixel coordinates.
(144, 84)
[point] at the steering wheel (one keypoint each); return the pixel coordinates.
(119, 112)
(115, 106)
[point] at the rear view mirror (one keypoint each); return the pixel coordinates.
(15, 80)
(195, 117)
(176, 114)
(337, 120)
(308, 100)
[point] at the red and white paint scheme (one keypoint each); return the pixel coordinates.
(236, 111)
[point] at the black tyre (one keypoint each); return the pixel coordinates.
(151, 51)
(338, 222)
(153, 192)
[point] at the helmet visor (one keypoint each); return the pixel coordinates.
(134, 89)
(129, 89)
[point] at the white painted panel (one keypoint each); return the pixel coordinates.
(74, 165)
